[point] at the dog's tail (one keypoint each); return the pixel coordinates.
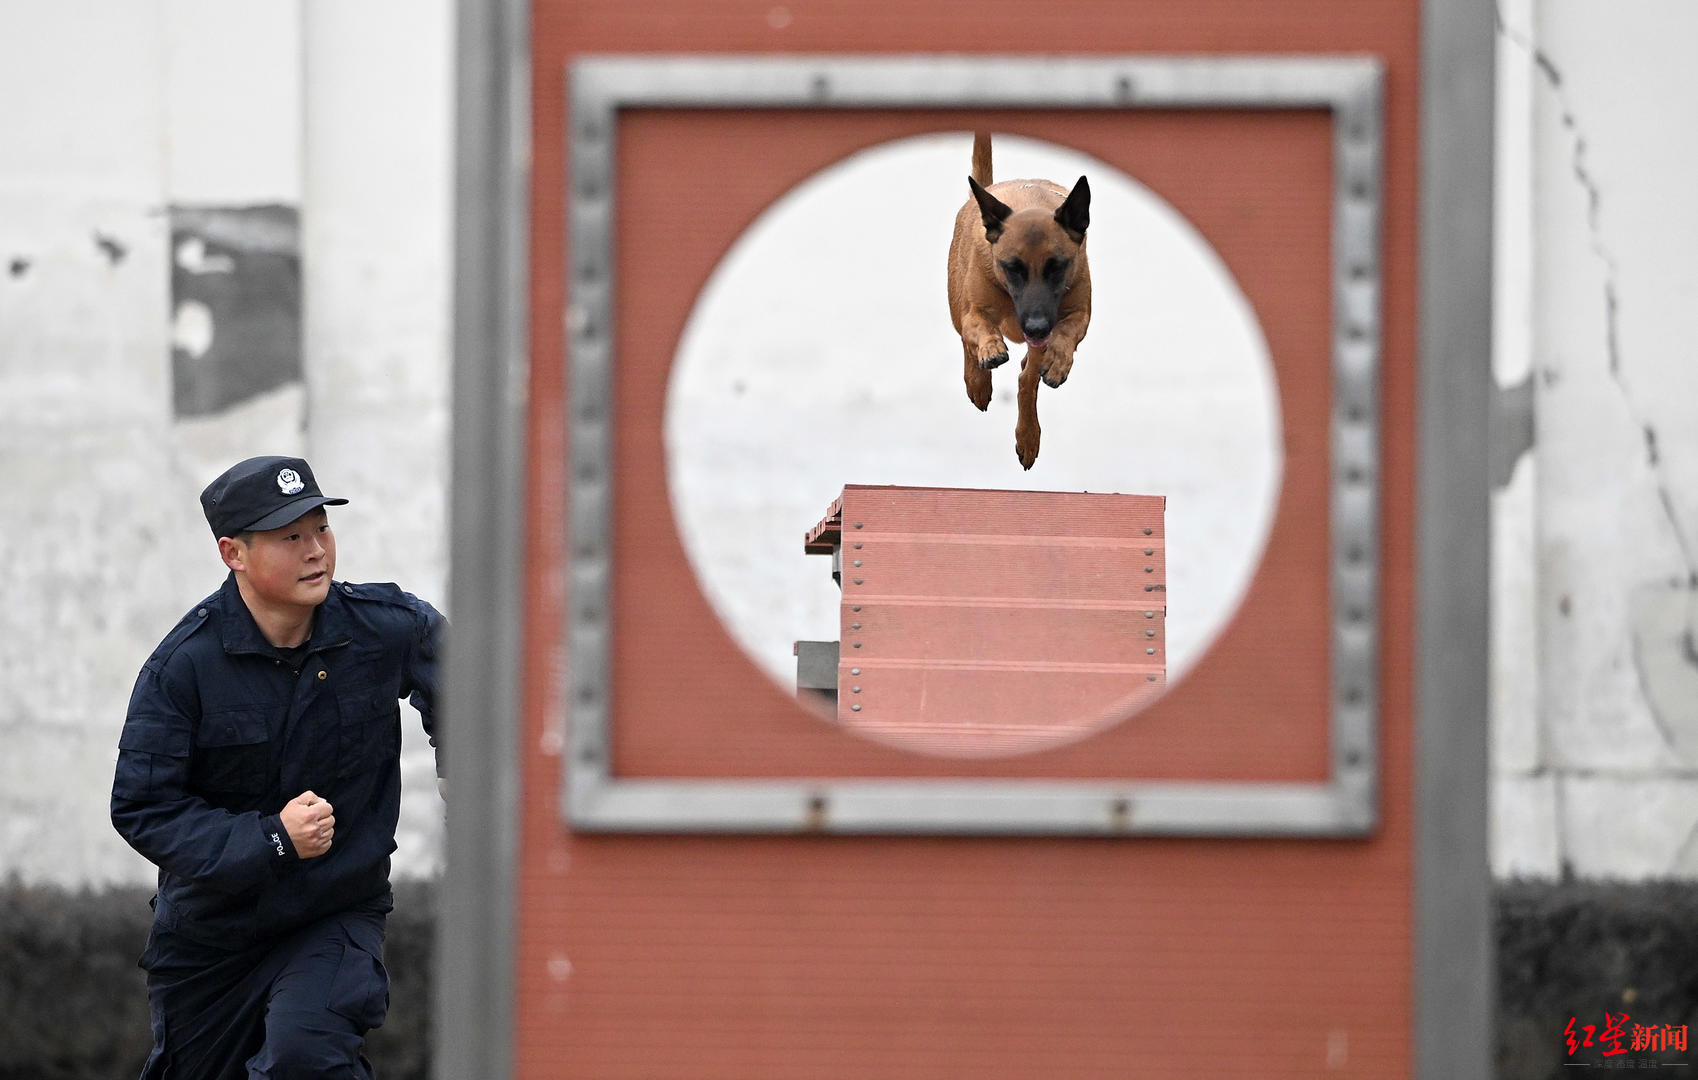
(982, 158)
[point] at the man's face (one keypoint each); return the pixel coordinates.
(291, 566)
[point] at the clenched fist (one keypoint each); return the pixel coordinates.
(311, 824)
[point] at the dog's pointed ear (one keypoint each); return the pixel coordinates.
(1074, 215)
(992, 209)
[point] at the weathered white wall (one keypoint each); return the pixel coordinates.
(375, 220)
(120, 110)
(1596, 662)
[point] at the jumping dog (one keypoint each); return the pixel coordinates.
(1017, 270)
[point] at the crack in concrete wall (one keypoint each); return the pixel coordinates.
(1660, 607)
(1612, 312)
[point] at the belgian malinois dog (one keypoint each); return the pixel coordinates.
(1017, 270)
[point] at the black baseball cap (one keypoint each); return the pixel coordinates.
(261, 493)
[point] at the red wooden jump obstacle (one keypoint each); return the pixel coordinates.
(984, 623)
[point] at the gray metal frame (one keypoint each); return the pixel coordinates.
(1454, 997)
(474, 940)
(594, 799)
(475, 962)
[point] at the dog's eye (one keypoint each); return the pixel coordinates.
(1056, 269)
(1015, 270)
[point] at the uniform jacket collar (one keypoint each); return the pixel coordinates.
(241, 634)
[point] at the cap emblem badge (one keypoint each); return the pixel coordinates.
(289, 482)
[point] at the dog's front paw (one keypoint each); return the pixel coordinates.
(1026, 444)
(1056, 369)
(993, 360)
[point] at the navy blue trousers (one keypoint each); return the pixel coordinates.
(290, 1009)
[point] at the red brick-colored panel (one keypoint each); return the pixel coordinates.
(983, 623)
(1082, 634)
(1259, 186)
(989, 711)
(793, 957)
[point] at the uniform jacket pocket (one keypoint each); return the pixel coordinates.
(370, 727)
(233, 751)
(152, 751)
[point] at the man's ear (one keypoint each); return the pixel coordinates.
(992, 209)
(233, 552)
(1074, 215)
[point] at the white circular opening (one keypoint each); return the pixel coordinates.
(820, 353)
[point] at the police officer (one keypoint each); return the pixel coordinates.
(258, 769)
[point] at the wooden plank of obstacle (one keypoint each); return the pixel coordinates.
(984, 622)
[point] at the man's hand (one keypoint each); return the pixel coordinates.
(310, 823)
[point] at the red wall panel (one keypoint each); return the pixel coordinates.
(887, 957)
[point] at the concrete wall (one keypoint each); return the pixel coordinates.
(126, 119)
(125, 115)
(1596, 561)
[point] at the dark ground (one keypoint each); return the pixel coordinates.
(1573, 950)
(69, 958)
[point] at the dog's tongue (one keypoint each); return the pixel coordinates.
(1038, 342)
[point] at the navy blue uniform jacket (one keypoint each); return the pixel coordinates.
(222, 732)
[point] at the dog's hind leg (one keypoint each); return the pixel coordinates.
(978, 379)
(1026, 430)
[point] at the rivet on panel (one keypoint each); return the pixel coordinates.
(854, 607)
(1149, 633)
(1152, 678)
(854, 671)
(1149, 551)
(858, 524)
(854, 689)
(857, 644)
(854, 626)
(1120, 813)
(857, 562)
(817, 806)
(857, 581)
(854, 708)
(1149, 532)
